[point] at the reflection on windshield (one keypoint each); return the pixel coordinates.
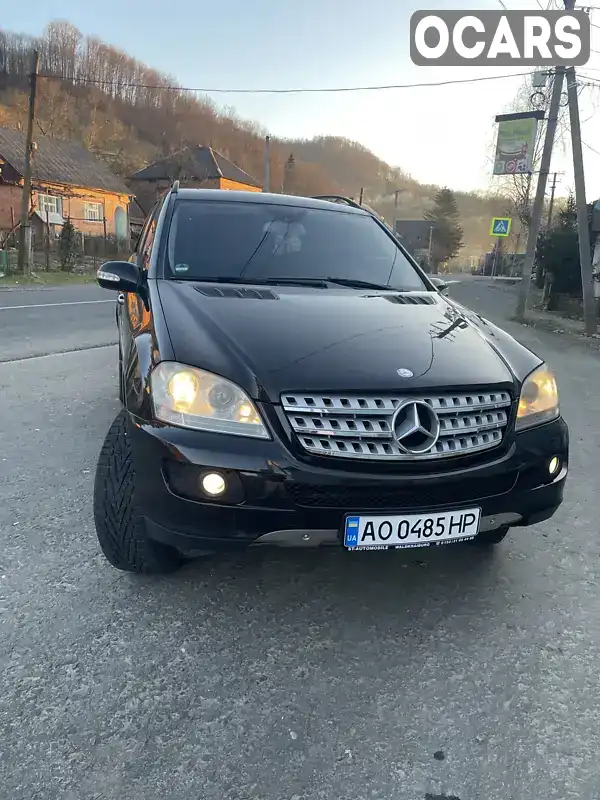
(220, 239)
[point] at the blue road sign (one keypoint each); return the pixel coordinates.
(500, 226)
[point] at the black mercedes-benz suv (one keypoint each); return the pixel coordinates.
(289, 376)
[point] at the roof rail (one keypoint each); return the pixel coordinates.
(348, 201)
(175, 187)
(338, 198)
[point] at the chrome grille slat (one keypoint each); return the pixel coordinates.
(342, 426)
(360, 426)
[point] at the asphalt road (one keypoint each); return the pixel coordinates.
(36, 322)
(281, 676)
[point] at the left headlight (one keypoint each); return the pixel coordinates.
(193, 398)
(538, 402)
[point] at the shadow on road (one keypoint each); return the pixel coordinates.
(372, 589)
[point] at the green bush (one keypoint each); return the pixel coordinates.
(69, 246)
(557, 253)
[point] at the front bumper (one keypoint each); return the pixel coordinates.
(276, 497)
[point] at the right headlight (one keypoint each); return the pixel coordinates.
(193, 398)
(538, 402)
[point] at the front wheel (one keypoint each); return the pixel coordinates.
(490, 538)
(119, 525)
(121, 381)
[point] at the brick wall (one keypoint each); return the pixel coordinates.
(74, 199)
(235, 186)
(10, 200)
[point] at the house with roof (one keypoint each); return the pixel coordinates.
(415, 235)
(195, 167)
(67, 181)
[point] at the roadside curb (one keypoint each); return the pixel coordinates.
(554, 327)
(6, 288)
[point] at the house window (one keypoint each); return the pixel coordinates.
(93, 212)
(47, 203)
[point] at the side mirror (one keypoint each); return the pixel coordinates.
(439, 284)
(120, 276)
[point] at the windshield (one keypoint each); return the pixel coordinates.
(266, 241)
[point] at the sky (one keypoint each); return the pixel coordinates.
(437, 134)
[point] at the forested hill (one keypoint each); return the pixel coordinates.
(130, 114)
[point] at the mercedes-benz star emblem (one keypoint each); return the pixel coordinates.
(416, 427)
(405, 373)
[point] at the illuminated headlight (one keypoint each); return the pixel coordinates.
(538, 402)
(214, 484)
(193, 398)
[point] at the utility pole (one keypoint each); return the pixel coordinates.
(430, 248)
(396, 193)
(25, 228)
(551, 200)
(585, 250)
(540, 194)
(495, 261)
(267, 186)
(288, 172)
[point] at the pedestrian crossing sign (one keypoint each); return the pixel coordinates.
(500, 226)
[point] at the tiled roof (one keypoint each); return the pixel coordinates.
(58, 161)
(414, 233)
(194, 164)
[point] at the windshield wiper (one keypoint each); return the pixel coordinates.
(317, 283)
(356, 284)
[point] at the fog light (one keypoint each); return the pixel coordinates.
(213, 484)
(553, 465)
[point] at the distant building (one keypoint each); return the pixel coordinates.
(414, 235)
(67, 181)
(195, 167)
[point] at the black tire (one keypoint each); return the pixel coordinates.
(491, 538)
(121, 381)
(119, 526)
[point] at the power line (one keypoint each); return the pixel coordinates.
(504, 6)
(590, 78)
(589, 147)
(117, 85)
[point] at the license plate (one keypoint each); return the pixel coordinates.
(410, 530)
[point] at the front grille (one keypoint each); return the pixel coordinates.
(361, 426)
(364, 498)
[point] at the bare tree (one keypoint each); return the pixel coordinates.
(519, 190)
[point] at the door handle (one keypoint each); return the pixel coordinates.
(121, 298)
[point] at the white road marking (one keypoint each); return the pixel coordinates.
(54, 355)
(49, 305)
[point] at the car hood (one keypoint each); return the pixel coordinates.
(276, 339)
